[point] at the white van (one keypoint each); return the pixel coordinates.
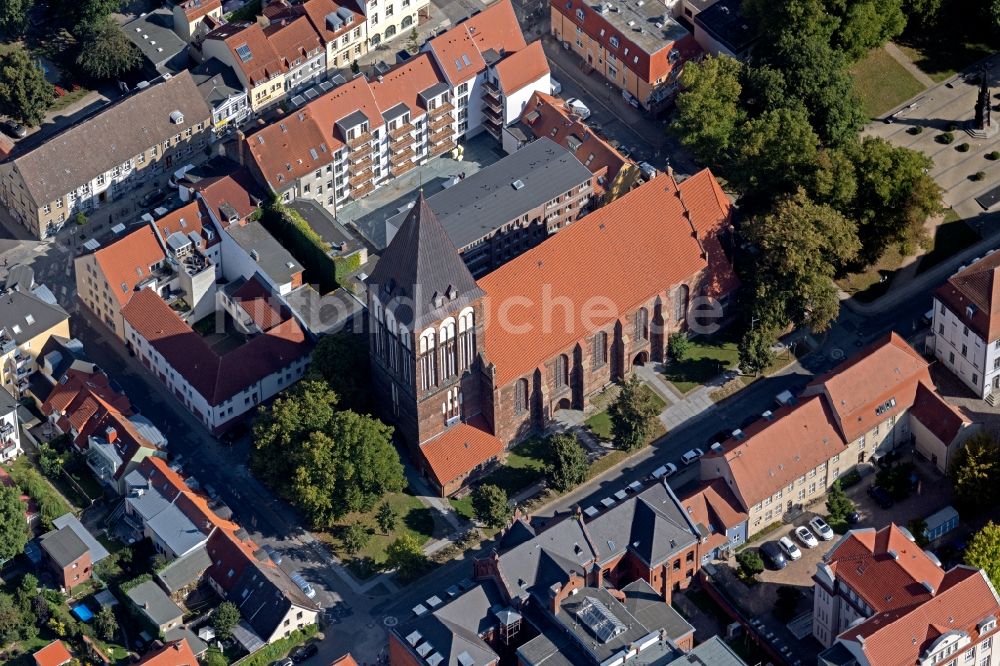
(554, 86)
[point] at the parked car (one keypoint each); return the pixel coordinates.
(821, 529)
(628, 97)
(14, 129)
(283, 662)
(664, 471)
(881, 496)
(649, 172)
(554, 86)
(692, 456)
(304, 652)
(853, 518)
(789, 548)
(578, 107)
(773, 556)
(272, 553)
(806, 537)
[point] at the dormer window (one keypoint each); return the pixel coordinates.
(970, 311)
(451, 293)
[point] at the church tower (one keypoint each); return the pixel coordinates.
(425, 331)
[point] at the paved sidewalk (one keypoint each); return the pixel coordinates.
(908, 65)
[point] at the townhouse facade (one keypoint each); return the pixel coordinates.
(155, 130)
(458, 392)
(965, 328)
(637, 47)
(223, 92)
(190, 17)
(30, 319)
(342, 29)
(358, 136)
(900, 606)
(388, 20)
(869, 405)
(260, 68)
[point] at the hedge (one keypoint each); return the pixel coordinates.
(51, 505)
(295, 234)
(278, 649)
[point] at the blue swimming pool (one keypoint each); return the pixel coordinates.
(82, 612)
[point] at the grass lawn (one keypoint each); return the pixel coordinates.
(707, 359)
(865, 284)
(882, 83)
(523, 467)
(951, 236)
(463, 507)
(942, 56)
(600, 423)
(71, 97)
(414, 519)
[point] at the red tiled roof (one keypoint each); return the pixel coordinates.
(125, 263)
(175, 653)
(901, 637)
(977, 285)
(53, 654)
(346, 660)
(642, 244)
(216, 378)
(197, 8)
(865, 561)
(342, 101)
(943, 420)
(403, 84)
(317, 11)
(522, 67)
(459, 449)
(496, 28)
(762, 462)
(293, 38)
(458, 55)
(713, 503)
(264, 61)
(257, 301)
(283, 150)
(187, 219)
(889, 369)
(550, 117)
(236, 189)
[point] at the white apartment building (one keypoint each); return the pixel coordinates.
(388, 20)
(965, 330)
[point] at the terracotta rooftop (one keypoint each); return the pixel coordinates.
(945, 421)
(175, 653)
(459, 51)
(53, 654)
(126, 262)
(902, 637)
(194, 9)
(236, 193)
(189, 219)
(713, 504)
(976, 286)
(318, 10)
(293, 39)
(403, 84)
(459, 449)
(257, 301)
(283, 151)
(642, 244)
(522, 67)
(216, 378)
(259, 60)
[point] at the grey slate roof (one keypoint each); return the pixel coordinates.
(713, 652)
(272, 258)
(420, 264)
(477, 206)
(653, 525)
(154, 603)
(154, 35)
(142, 497)
(175, 529)
(216, 81)
(644, 604)
(123, 130)
(24, 316)
(63, 546)
(97, 551)
(7, 402)
(536, 564)
(264, 595)
(453, 629)
(184, 570)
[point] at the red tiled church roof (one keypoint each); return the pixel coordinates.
(459, 449)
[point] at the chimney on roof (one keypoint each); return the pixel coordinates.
(111, 434)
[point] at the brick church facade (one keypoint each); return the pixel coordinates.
(463, 368)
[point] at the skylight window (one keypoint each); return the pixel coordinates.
(243, 51)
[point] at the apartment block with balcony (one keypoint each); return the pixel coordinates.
(510, 206)
(143, 138)
(28, 319)
(508, 84)
(636, 46)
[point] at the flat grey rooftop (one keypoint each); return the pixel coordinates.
(478, 205)
(652, 29)
(175, 530)
(155, 603)
(274, 260)
(97, 551)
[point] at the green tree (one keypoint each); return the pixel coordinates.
(51, 461)
(106, 623)
(975, 471)
(106, 51)
(25, 95)
(838, 505)
(755, 349)
(774, 151)
(355, 537)
(225, 617)
(566, 461)
(80, 218)
(78, 14)
(11, 619)
(983, 551)
(751, 563)
(918, 528)
(709, 114)
(406, 557)
(214, 658)
(678, 345)
(867, 24)
(632, 415)
(13, 526)
(387, 517)
(342, 360)
(491, 506)
(801, 246)
(14, 16)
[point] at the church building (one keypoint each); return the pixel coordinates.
(462, 369)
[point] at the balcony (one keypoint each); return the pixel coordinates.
(404, 156)
(358, 180)
(361, 165)
(441, 148)
(438, 123)
(493, 114)
(359, 153)
(401, 132)
(442, 134)
(398, 171)
(362, 138)
(494, 103)
(358, 192)
(439, 111)
(491, 89)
